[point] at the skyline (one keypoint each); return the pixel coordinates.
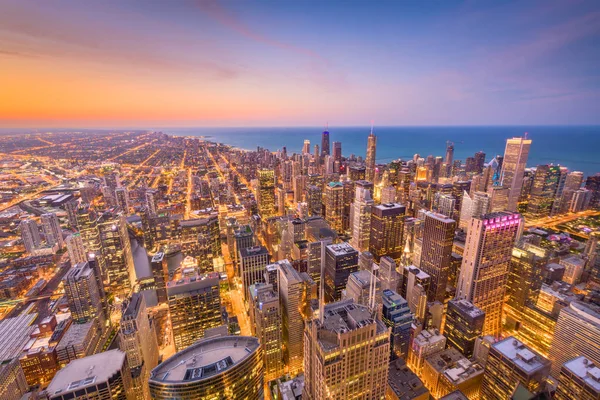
(226, 64)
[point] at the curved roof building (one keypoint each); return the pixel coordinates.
(226, 367)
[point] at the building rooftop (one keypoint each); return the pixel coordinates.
(586, 370)
(76, 334)
(87, 371)
(205, 358)
(574, 260)
(292, 389)
(521, 355)
(14, 335)
(444, 359)
(588, 311)
(428, 337)
(392, 298)
(456, 395)
(405, 384)
(254, 251)
(363, 278)
(341, 249)
(158, 257)
(193, 283)
(133, 306)
(468, 308)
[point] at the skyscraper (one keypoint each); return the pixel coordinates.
(449, 161)
(577, 332)
(485, 265)
(334, 205)
(313, 198)
(325, 143)
(438, 237)
(388, 274)
(337, 151)
(75, 248)
(52, 230)
(579, 379)
(371, 155)
(387, 225)
(253, 261)
(160, 273)
(224, 367)
(360, 219)
(151, 201)
(513, 168)
(306, 147)
(30, 234)
(543, 191)
(397, 316)
(509, 364)
(473, 206)
(265, 320)
(137, 339)
(346, 354)
(122, 199)
(464, 324)
(194, 306)
(340, 261)
(116, 254)
(266, 193)
(83, 293)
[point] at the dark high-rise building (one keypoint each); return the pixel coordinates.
(314, 200)
(387, 225)
(449, 162)
(438, 237)
(337, 151)
(340, 261)
(84, 296)
(479, 161)
(397, 316)
(160, 273)
(325, 143)
(593, 184)
(464, 324)
(543, 191)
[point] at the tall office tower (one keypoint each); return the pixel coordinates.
(479, 161)
(137, 339)
(201, 238)
(592, 183)
(194, 306)
(337, 151)
(224, 367)
(286, 174)
(103, 376)
(306, 147)
(415, 285)
(464, 324)
(293, 296)
(513, 168)
(30, 234)
(509, 364)
(117, 255)
(387, 225)
(365, 261)
(581, 200)
(577, 332)
(253, 261)
(151, 201)
(436, 252)
(317, 156)
(446, 205)
(112, 181)
(71, 209)
(75, 249)
(371, 156)
(485, 265)
(265, 198)
(122, 198)
(243, 238)
(423, 345)
(298, 187)
(340, 261)
(83, 293)
(265, 320)
(397, 316)
(579, 380)
(473, 206)
(545, 184)
(160, 273)
(334, 205)
(449, 161)
(573, 182)
(388, 274)
(388, 195)
(325, 143)
(346, 354)
(90, 235)
(360, 216)
(313, 197)
(500, 196)
(52, 230)
(364, 288)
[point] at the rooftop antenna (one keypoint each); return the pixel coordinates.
(372, 122)
(526, 133)
(327, 125)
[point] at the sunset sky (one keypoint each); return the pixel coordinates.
(273, 63)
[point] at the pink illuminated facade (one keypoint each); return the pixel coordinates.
(485, 264)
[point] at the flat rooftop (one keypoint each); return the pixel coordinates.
(205, 359)
(14, 335)
(468, 308)
(521, 355)
(586, 370)
(405, 384)
(341, 249)
(87, 371)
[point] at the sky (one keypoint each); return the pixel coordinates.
(175, 63)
